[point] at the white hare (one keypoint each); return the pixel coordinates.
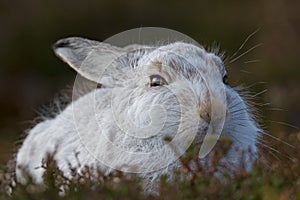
(148, 93)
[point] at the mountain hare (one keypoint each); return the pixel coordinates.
(176, 91)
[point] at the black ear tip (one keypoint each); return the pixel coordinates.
(60, 44)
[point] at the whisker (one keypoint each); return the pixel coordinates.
(269, 147)
(246, 52)
(247, 72)
(271, 153)
(277, 139)
(244, 43)
(259, 93)
(285, 123)
(250, 86)
(252, 61)
(276, 109)
(260, 104)
(275, 150)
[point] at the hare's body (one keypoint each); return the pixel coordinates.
(149, 94)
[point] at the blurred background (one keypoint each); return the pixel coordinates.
(31, 75)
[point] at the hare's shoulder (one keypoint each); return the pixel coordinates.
(51, 133)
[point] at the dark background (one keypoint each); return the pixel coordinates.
(30, 74)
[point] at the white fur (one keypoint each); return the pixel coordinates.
(95, 124)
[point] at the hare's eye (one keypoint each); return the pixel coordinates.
(156, 80)
(225, 79)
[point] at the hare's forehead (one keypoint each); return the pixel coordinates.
(186, 59)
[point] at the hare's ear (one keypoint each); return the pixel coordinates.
(91, 59)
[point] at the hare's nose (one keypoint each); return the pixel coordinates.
(205, 116)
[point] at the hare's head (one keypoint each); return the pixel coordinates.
(176, 91)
